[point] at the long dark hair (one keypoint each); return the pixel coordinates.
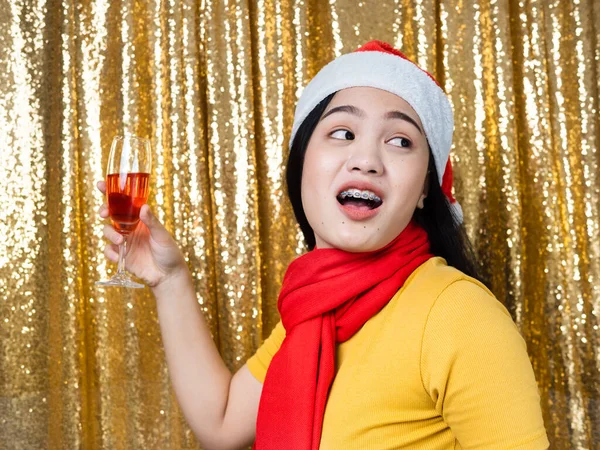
(447, 238)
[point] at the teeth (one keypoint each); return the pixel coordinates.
(365, 195)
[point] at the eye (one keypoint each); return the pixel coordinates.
(401, 142)
(343, 135)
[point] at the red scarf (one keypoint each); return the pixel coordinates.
(327, 295)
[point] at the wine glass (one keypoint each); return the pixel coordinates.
(127, 187)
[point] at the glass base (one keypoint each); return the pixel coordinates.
(121, 280)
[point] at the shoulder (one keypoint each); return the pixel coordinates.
(439, 302)
(436, 285)
(461, 312)
(436, 275)
(453, 292)
(466, 304)
(467, 331)
(475, 367)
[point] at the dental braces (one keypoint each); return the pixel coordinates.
(358, 194)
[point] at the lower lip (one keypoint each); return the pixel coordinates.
(358, 212)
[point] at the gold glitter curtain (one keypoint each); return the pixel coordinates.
(213, 84)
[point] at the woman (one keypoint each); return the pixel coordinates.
(387, 339)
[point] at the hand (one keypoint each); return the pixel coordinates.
(152, 253)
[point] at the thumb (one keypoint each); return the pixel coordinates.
(157, 230)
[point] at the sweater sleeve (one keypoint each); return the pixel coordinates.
(259, 362)
(475, 368)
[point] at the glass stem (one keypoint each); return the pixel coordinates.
(122, 252)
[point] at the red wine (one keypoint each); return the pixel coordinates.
(126, 193)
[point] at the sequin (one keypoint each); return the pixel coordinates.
(213, 84)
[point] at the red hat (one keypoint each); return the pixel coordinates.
(377, 64)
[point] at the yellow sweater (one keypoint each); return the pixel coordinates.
(441, 366)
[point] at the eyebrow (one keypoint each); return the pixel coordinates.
(402, 116)
(360, 113)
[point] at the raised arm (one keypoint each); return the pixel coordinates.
(220, 408)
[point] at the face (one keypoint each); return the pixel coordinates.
(369, 143)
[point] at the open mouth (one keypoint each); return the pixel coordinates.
(363, 199)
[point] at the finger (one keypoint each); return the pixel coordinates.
(111, 252)
(157, 230)
(101, 185)
(103, 211)
(112, 235)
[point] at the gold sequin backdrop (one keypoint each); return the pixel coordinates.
(214, 84)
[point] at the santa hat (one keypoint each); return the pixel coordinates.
(377, 64)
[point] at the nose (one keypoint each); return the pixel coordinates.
(365, 159)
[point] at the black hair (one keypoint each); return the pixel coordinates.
(447, 238)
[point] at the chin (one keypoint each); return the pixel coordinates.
(355, 244)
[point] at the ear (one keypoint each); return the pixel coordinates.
(421, 202)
